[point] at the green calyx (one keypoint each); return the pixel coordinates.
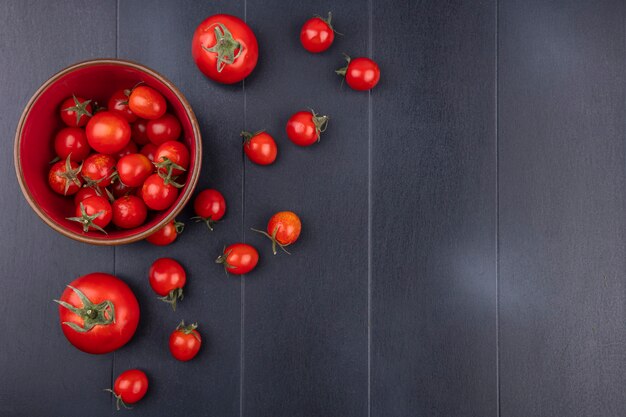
(86, 220)
(92, 314)
(225, 47)
(342, 71)
(272, 237)
(165, 168)
(247, 136)
(118, 400)
(210, 223)
(80, 109)
(70, 175)
(179, 226)
(222, 259)
(320, 122)
(172, 297)
(188, 329)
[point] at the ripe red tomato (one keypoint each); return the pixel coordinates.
(167, 234)
(133, 169)
(128, 149)
(283, 229)
(163, 129)
(139, 132)
(317, 34)
(83, 193)
(63, 177)
(361, 73)
(149, 151)
(130, 387)
(210, 206)
(129, 212)
(108, 132)
(75, 111)
(98, 170)
(93, 213)
(239, 258)
(260, 147)
(156, 194)
(185, 342)
(146, 102)
(71, 141)
(225, 48)
(167, 279)
(171, 159)
(98, 313)
(118, 103)
(304, 127)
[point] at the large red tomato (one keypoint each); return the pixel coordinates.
(98, 313)
(225, 48)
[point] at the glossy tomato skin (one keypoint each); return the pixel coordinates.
(60, 182)
(163, 129)
(174, 151)
(147, 103)
(156, 194)
(83, 193)
(261, 148)
(98, 168)
(102, 338)
(205, 38)
(166, 275)
(139, 132)
(118, 103)
(287, 226)
(129, 212)
(185, 343)
(362, 74)
(316, 35)
(69, 115)
(149, 151)
(128, 149)
(72, 142)
(165, 235)
(133, 169)
(107, 132)
(239, 258)
(93, 205)
(301, 129)
(131, 386)
(210, 205)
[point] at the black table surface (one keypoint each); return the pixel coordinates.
(463, 247)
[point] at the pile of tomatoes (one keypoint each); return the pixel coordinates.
(118, 162)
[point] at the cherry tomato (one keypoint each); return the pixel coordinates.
(119, 189)
(75, 111)
(167, 279)
(283, 229)
(133, 169)
(98, 313)
(128, 149)
(260, 147)
(146, 102)
(304, 127)
(83, 193)
(98, 169)
(167, 234)
(239, 258)
(185, 342)
(93, 213)
(71, 141)
(130, 387)
(210, 206)
(163, 129)
(129, 212)
(108, 132)
(225, 48)
(118, 103)
(63, 177)
(317, 34)
(171, 159)
(139, 132)
(156, 194)
(149, 151)
(361, 73)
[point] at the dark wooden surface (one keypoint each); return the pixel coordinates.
(463, 247)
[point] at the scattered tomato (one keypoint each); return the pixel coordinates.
(93, 212)
(108, 132)
(75, 111)
(163, 129)
(71, 141)
(139, 132)
(283, 229)
(304, 127)
(146, 102)
(361, 74)
(130, 387)
(157, 194)
(185, 342)
(260, 147)
(210, 206)
(167, 279)
(239, 258)
(133, 169)
(317, 34)
(98, 170)
(167, 234)
(63, 177)
(129, 212)
(118, 103)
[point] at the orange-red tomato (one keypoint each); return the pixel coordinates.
(146, 102)
(283, 229)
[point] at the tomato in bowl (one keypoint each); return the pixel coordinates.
(97, 80)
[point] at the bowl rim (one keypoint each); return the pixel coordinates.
(192, 177)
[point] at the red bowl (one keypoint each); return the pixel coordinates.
(97, 80)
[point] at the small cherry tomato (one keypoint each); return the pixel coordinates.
(119, 189)
(260, 147)
(139, 132)
(63, 177)
(167, 279)
(304, 127)
(75, 111)
(146, 102)
(156, 194)
(210, 206)
(83, 193)
(93, 213)
(283, 229)
(129, 212)
(118, 103)
(71, 141)
(133, 169)
(185, 342)
(130, 387)
(98, 170)
(171, 159)
(128, 149)
(317, 34)
(163, 129)
(167, 234)
(149, 151)
(107, 132)
(239, 258)
(361, 74)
